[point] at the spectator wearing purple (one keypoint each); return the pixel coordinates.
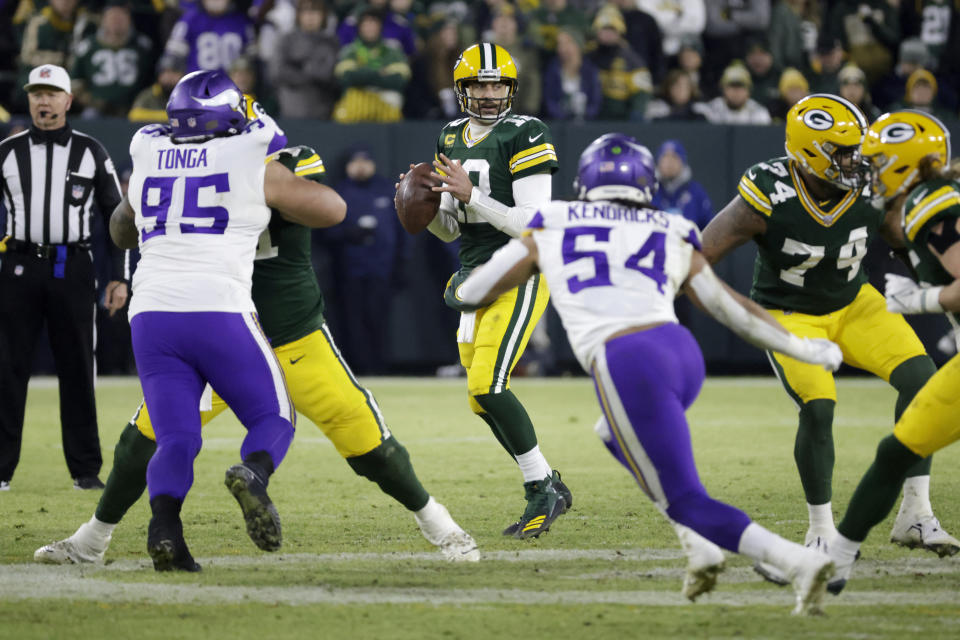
(679, 192)
(211, 36)
(396, 31)
(303, 64)
(571, 83)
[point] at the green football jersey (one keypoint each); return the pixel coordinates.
(926, 205)
(809, 258)
(113, 77)
(285, 289)
(516, 147)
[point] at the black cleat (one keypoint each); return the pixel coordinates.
(166, 546)
(87, 483)
(562, 490)
(263, 521)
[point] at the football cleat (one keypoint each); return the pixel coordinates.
(167, 548)
(842, 575)
(924, 532)
(562, 490)
(263, 521)
(705, 561)
(4, 485)
(816, 540)
(809, 578)
(459, 546)
(69, 551)
(544, 505)
(442, 531)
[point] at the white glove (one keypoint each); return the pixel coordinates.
(906, 296)
(823, 352)
(817, 351)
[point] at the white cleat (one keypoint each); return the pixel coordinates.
(459, 546)
(841, 575)
(705, 561)
(809, 578)
(443, 532)
(924, 532)
(69, 551)
(816, 539)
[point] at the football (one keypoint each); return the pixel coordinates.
(416, 204)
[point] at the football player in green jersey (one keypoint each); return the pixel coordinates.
(812, 218)
(909, 156)
(290, 307)
(496, 168)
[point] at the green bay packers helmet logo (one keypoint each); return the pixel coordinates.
(897, 132)
(818, 119)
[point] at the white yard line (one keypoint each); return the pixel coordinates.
(32, 581)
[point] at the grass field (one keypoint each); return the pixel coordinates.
(354, 565)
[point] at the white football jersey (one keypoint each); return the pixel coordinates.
(611, 266)
(200, 212)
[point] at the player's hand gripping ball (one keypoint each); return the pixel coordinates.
(416, 203)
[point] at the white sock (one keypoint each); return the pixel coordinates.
(843, 550)
(430, 511)
(95, 533)
(765, 546)
(821, 517)
(533, 465)
(916, 496)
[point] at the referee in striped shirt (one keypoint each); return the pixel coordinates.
(50, 178)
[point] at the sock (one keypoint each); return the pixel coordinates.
(261, 463)
(128, 478)
(763, 545)
(877, 492)
(533, 465)
(813, 450)
(843, 550)
(389, 466)
(496, 431)
(434, 521)
(908, 378)
(512, 420)
(821, 517)
(916, 496)
(94, 534)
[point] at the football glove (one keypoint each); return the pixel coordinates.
(823, 352)
(906, 296)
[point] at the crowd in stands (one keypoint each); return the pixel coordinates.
(723, 61)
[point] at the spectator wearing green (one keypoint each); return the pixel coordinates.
(624, 76)
(372, 75)
(112, 66)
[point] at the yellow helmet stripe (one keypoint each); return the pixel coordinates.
(942, 198)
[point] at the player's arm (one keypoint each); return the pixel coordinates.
(529, 193)
(906, 296)
(750, 321)
(300, 200)
(123, 225)
(735, 225)
(509, 267)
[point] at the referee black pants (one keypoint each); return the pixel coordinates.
(30, 296)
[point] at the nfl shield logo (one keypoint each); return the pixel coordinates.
(45, 72)
(191, 122)
(77, 191)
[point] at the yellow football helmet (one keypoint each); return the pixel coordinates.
(895, 145)
(824, 134)
(485, 62)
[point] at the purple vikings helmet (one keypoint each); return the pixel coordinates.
(616, 167)
(206, 104)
